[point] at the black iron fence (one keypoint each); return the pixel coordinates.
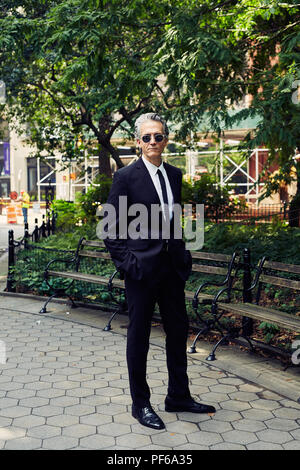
(250, 214)
(46, 229)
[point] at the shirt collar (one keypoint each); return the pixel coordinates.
(153, 168)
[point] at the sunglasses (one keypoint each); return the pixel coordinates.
(157, 137)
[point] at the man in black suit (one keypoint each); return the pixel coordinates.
(155, 268)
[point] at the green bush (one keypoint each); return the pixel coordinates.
(96, 195)
(217, 200)
(66, 214)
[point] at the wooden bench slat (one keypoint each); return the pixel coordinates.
(210, 256)
(95, 243)
(95, 254)
(267, 314)
(201, 268)
(280, 281)
(189, 295)
(94, 278)
(289, 268)
(116, 282)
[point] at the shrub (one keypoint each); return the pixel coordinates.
(96, 195)
(66, 214)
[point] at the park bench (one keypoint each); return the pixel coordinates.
(268, 274)
(203, 263)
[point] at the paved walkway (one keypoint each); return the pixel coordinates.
(64, 386)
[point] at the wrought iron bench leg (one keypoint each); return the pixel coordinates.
(108, 326)
(249, 342)
(73, 305)
(224, 339)
(43, 309)
(192, 348)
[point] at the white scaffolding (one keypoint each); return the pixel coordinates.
(80, 175)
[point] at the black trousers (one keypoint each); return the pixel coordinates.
(167, 289)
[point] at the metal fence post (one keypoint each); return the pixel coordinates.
(247, 323)
(36, 231)
(43, 227)
(26, 236)
(11, 262)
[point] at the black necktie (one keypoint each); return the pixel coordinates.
(163, 187)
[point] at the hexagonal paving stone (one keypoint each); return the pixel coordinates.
(215, 426)
(213, 397)
(246, 387)
(274, 436)
(48, 410)
(227, 415)
(265, 404)
(249, 425)
(169, 439)
(244, 396)
(257, 414)
(5, 421)
(97, 441)
(79, 410)
(296, 434)
(231, 381)
(95, 384)
(181, 427)
(204, 438)
(192, 417)
(11, 432)
(264, 446)
(113, 429)
(45, 431)
(65, 384)
(79, 430)
(64, 401)
(15, 411)
(204, 381)
(39, 385)
(239, 437)
(111, 392)
(222, 388)
(62, 420)
(281, 424)
(10, 386)
(60, 443)
(79, 392)
(20, 393)
(287, 413)
(227, 446)
(33, 402)
(292, 445)
(29, 421)
(111, 409)
(24, 443)
(235, 405)
(6, 402)
(189, 446)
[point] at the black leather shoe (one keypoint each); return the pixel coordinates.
(147, 417)
(187, 405)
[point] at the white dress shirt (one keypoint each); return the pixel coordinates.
(155, 178)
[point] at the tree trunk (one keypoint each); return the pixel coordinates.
(294, 209)
(104, 161)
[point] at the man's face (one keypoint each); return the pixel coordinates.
(152, 149)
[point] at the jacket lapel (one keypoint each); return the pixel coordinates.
(172, 181)
(147, 183)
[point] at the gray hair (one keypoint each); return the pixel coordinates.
(149, 117)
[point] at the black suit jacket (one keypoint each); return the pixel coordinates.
(140, 258)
